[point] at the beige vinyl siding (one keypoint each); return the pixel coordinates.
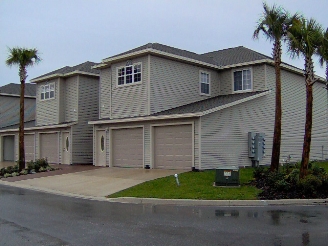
(224, 133)
(130, 100)
(258, 76)
(47, 110)
(173, 84)
(87, 109)
(61, 99)
(9, 110)
(105, 93)
(71, 99)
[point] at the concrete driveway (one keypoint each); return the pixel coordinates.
(95, 183)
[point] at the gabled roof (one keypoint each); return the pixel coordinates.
(14, 89)
(216, 59)
(169, 50)
(208, 104)
(83, 68)
(235, 55)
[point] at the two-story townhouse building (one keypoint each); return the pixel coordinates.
(162, 107)
(66, 99)
(9, 114)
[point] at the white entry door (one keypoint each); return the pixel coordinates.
(66, 146)
(100, 148)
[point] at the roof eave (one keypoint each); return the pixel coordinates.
(16, 95)
(40, 127)
(63, 75)
(145, 118)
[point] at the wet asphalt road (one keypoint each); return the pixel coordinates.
(35, 218)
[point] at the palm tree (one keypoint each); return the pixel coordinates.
(305, 37)
(323, 52)
(23, 58)
(274, 24)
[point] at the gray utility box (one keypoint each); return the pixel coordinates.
(227, 176)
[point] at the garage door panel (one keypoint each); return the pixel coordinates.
(127, 147)
(9, 148)
(49, 147)
(29, 147)
(173, 147)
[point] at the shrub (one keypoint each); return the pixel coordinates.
(14, 174)
(6, 175)
(9, 169)
(24, 172)
(285, 183)
(42, 169)
(2, 171)
(43, 162)
(30, 165)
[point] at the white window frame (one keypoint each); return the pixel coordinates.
(48, 88)
(202, 82)
(233, 80)
(125, 76)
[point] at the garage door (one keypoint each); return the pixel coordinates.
(173, 147)
(9, 148)
(49, 147)
(127, 147)
(29, 147)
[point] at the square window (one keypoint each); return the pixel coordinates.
(129, 74)
(242, 80)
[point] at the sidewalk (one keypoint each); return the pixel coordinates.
(95, 183)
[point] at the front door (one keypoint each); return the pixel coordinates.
(66, 146)
(100, 148)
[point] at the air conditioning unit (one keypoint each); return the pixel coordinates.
(227, 176)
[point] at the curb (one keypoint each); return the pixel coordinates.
(225, 203)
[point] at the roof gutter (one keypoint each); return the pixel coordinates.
(16, 95)
(269, 61)
(40, 127)
(145, 118)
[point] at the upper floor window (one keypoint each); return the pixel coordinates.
(48, 91)
(204, 83)
(129, 74)
(242, 80)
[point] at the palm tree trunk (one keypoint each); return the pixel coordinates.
(309, 79)
(277, 123)
(22, 75)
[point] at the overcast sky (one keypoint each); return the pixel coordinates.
(70, 32)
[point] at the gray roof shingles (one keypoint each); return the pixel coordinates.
(207, 104)
(224, 57)
(235, 55)
(83, 67)
(14, 89)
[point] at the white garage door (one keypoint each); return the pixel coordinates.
(173, 147)
(49, 147)
(29, 147)
(9, 148)
(127, 147)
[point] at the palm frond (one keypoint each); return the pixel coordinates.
(22, 57)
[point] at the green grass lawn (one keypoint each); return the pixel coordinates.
(193, 185)
(197, 185)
